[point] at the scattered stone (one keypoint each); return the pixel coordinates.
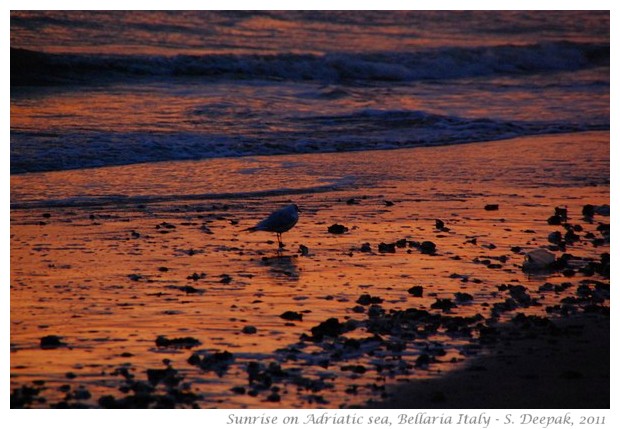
(218, 362)
(555, 237)
(491, 207)
(443, 304)
(428, 247)
(291, 315)
(538, 260)
(366, 248)
(51, 342)
(388, 203)
(463, 297)
(303, 250)
(439, 224)
(387, 248)
(249, 330)
(329, 328)
(196, 276)
(181, 343)
(352, 201)
(562, 213)
(416, 291)
(554, 220)
(367, 299)
(337, 229)
(588, 211)
(225, 279)
(168, 376)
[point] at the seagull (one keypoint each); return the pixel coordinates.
(279, 222)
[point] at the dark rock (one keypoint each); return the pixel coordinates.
(168, 376)
(588, 211)
(303, 250)
(491, 207)
(51, 342)
(428, 247)
(225, 279)
(416, 291)
(217, 362)
(463, 297)
(423, 361)
(387, 247)
(196, 276)
(181, 343)
(329, 328)
(291, 315)
(439, 224)
(190, 289)
(562, 213)
(555, 237)
(337, 229)
(366, 248)
(388, 203)
(249, 330)
(444, 304)
(401, 244)
(352, 201)
(554, 220)
(274, 397)
(367, 299)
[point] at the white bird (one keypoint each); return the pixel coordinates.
(279, 222)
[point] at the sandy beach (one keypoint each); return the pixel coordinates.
(136, 286)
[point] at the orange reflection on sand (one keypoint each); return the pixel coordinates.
(112, 277)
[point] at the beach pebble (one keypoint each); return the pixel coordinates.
(303, 250)
(51, 342)
(439, 224)
(249, 330)
(366, 248)
(554, 220)
(463, 297)
(183, 342)
(491, 207)
(588, 211)
(428, 247)
(416, 291)
(537, 260)
(387, 248)
(444, 304)
(291, 315)
(337, 229)
(562, 213)
(367, 299)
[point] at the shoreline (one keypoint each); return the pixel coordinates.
(429, 255)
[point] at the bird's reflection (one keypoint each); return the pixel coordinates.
(282, 267)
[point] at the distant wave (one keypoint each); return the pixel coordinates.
(367, 129)
(38, 68)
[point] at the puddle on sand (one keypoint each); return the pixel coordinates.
(110, 278)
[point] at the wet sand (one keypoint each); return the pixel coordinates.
(136, 286)
(526, 369)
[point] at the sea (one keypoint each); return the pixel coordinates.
(107, 88)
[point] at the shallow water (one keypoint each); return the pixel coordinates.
(87, 263)
(102, 88)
